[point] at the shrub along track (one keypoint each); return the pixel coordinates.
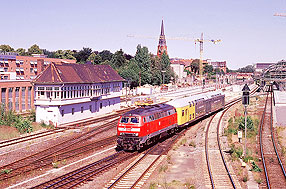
(274, 171)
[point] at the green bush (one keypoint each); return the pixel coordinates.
(9, 118)
(23, 125)
(236, 152)
(249, 122)
(255, 167)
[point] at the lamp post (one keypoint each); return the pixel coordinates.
(245, 102)
(127, 84)
(163, 71)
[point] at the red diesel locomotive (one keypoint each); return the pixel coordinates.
(145, 125)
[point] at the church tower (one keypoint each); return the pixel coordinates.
(162, 42)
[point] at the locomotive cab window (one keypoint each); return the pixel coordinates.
(134, 120)
(124, 120)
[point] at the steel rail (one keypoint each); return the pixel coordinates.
(261, 148)
(273, 141)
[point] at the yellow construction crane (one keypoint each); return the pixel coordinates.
(280, 14)
(201, 41)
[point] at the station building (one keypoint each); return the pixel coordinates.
(68, 92)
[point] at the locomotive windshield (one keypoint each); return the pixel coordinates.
(124, 120)
(131, 119)
(134, 120)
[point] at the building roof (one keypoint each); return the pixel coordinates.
(77, 73)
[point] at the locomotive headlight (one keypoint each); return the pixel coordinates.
(136, 134)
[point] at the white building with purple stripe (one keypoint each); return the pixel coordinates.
(69, 92)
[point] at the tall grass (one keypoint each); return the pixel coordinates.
(9, 118)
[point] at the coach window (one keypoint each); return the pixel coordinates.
(72, 111)
(183, 112)
(90, 107)
(100, 105)
(63, 113)
(193, 115)
(81, 109)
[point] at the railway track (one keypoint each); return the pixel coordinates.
(85, 173)
(60, 129)
(30, 137)
(144, 163)
(274, 171)
(137, 173)
(62, 150)
(220, 174)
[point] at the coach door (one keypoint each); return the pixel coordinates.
(208, 106)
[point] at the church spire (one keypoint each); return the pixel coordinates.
(162, 28)
(162, 47)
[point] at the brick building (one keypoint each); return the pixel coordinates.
(17, 95)
(220, 65)
(25, 67)
(16, 74)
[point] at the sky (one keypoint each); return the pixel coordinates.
(248, 30)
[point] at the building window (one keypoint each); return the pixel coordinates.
(72, 111)
(81, 109)
(63, 113)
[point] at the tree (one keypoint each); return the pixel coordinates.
(143, 60)
(156, 70)
(246, 69)
(34, 49)
(50, 54)
(217, 71)
(6, 48)
(82, 55)
(64, 54)
(166, 68)
(118, 60)
(208, 69)
(130, 72)
(21, 52)
(91, 58)
(195, 66)
(105, 55)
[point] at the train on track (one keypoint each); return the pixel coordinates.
(145, 125)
